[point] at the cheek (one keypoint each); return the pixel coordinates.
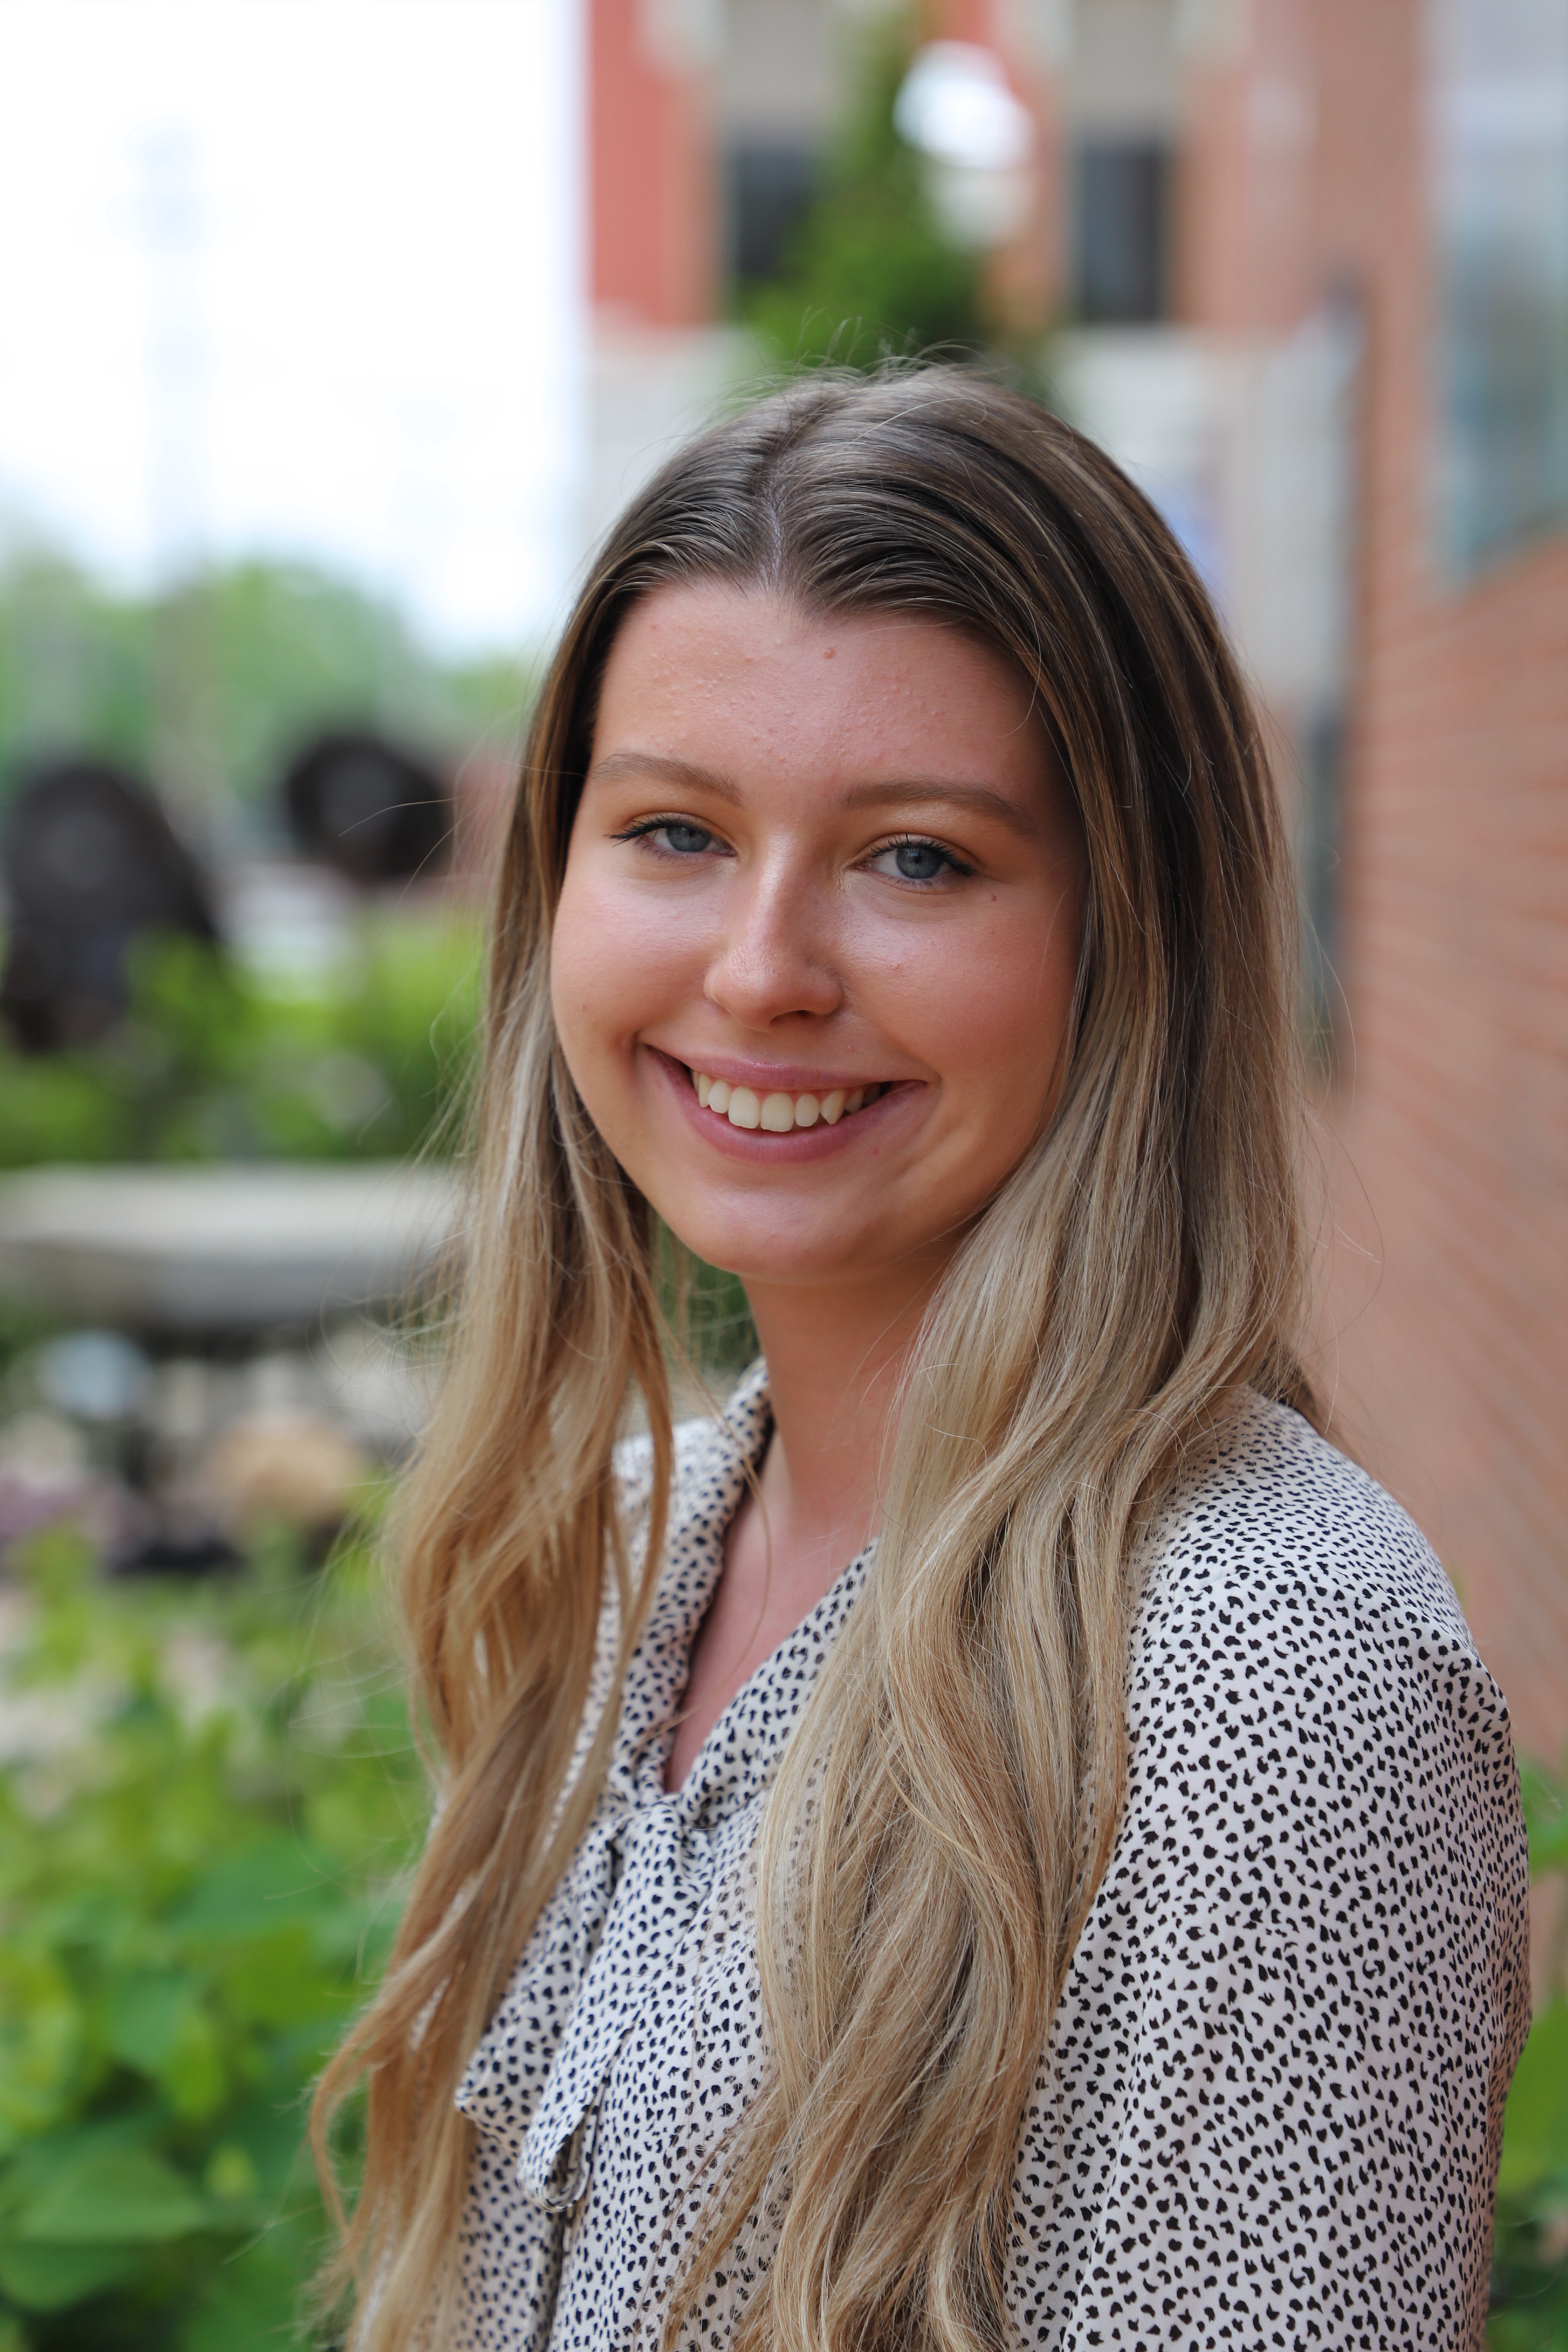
(616, 962)
(993, 1019)
(589, 978)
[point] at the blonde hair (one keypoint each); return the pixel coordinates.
(947, 1806)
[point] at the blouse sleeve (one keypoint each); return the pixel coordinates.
(1271, 2109)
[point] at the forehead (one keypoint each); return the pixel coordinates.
(752, 671)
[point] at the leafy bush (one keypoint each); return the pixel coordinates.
(1530, 2258)
(205, 1819)
(369, 1061)
(203, 1831)
(200, 1864)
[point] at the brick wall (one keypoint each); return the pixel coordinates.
(1446, 1130)
(1451, 1116)
(653, 204)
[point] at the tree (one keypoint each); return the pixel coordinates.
(866, 271)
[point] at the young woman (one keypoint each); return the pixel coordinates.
(1002, 1836)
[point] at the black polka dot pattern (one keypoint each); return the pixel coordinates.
(1270, 2110)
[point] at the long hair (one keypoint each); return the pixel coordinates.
(947, 1805)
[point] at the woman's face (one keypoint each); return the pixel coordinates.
(818, 863)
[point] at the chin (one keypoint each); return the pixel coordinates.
(765, 1260)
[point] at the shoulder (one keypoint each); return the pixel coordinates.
(1291, 1608)
(1274, 2099)
(1274, 1497)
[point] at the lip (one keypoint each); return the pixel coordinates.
(774, 1078)
(868, 1125)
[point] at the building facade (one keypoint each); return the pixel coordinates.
(1308, 264)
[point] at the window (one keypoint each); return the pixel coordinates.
(1497, 80)
(1120, 207)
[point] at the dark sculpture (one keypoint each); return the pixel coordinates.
(368, 809)
(90, 861)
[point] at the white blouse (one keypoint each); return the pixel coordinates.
(1270, 2108)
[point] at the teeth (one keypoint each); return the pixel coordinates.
(778, 1114)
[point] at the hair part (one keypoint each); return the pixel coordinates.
(947, 1806)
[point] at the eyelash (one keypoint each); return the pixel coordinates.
(648, 825)
(955, 865)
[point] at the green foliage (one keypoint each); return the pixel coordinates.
(370, 1062)
(1530, 2256)
(291, 649)
(196, 1888)
(264, 655)
(199, 1877)
(866, 271)
(1546, 1817)
(708, 1311)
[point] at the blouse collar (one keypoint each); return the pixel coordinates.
(538, 2073)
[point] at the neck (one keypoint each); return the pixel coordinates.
(835, 1360)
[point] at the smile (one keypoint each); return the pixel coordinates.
(780, 1114)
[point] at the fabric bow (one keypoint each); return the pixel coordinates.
(621, 1916)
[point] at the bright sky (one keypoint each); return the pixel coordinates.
(299, 275)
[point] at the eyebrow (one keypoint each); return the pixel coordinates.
(616, 764)
(983, 799)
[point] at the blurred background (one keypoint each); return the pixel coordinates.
(331, 338)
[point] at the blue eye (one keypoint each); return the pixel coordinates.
(919, 861)
(670, 837)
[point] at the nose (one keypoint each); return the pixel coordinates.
(774, 957)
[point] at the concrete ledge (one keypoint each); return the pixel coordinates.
(237, 1247)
